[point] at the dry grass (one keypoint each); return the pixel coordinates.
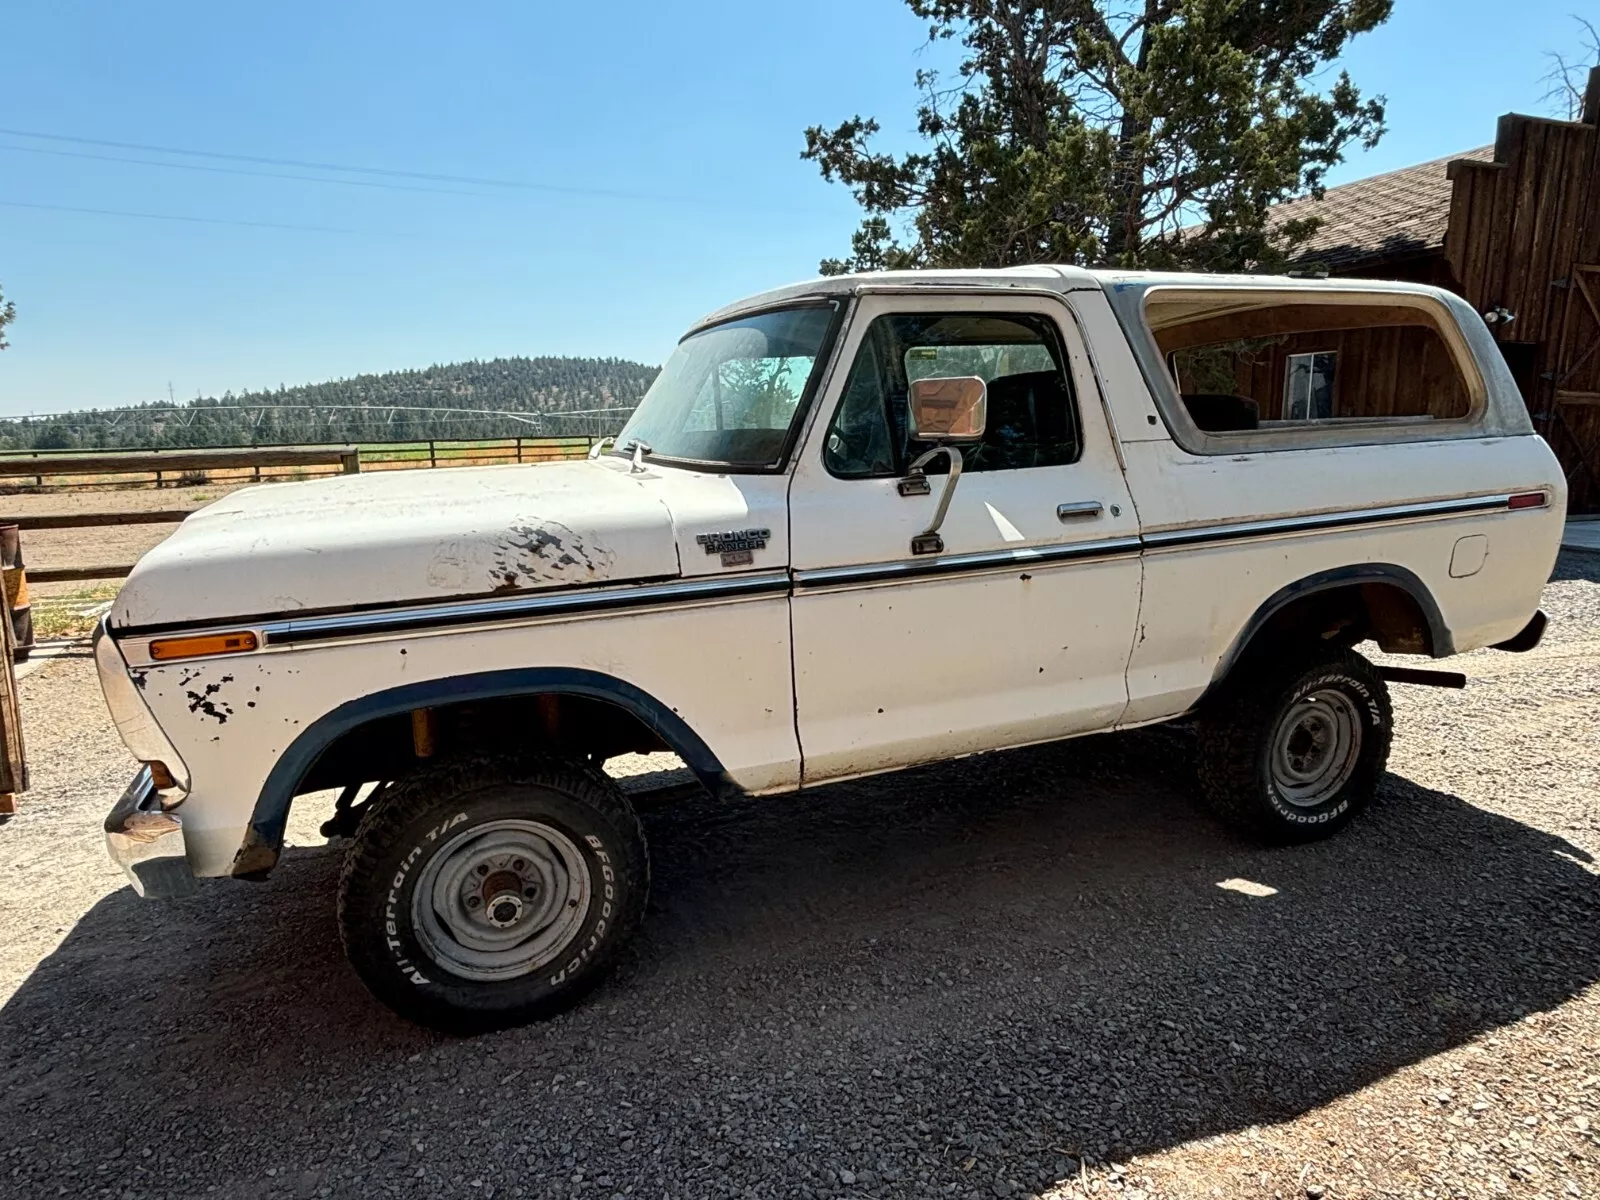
(73, 614)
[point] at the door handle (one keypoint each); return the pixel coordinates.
(1079, 508)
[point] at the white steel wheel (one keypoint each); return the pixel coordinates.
(1315, 747)
(501, 899)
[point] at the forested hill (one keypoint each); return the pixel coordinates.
(551, 396)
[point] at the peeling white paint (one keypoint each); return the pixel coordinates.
(394, 536)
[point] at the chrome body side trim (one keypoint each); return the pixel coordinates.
(963, 564)
(297, 631)
(1195, 534)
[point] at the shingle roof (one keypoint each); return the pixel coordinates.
(1400, 212)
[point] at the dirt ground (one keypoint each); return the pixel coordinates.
(1015, 975)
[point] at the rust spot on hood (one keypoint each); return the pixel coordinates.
(548, 552)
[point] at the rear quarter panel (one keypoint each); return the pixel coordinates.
(1198, 600)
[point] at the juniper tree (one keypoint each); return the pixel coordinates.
(1093, 131)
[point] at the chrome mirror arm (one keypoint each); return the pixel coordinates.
(929, 541)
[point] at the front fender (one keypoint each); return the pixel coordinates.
(264, 838)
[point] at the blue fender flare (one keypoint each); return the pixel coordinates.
(1440, 640)
(271, 813)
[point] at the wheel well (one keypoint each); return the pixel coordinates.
(1384, 604)
(561, 710)
(572, 726)
(1353, 613)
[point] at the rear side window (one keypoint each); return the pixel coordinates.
(1032, 420)
(1245, 360)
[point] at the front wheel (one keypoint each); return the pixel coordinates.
(481, 893)
(1292, 747)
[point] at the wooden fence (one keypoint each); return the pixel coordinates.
(401, 455)
(47, 471)
(75, 471)
(37, 471)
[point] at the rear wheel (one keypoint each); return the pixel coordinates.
(486, 892)
(1292, 747)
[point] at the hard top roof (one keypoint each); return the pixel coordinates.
(1049, 277)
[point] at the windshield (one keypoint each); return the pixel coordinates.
(731, 394)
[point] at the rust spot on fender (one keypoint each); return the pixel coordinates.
(203, 701)
(255, 856)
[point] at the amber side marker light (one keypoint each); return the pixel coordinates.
(198, 647)
(1528, 500)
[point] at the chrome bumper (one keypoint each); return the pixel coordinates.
(147, 843)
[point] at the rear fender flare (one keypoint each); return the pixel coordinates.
(1439, 636)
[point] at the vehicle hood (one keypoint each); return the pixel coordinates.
(390, 537)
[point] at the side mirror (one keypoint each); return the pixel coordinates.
(949, 409)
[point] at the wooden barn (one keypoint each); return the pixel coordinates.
(1515, 229)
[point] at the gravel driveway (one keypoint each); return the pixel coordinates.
(1008, 976)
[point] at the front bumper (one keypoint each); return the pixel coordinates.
(147, 843)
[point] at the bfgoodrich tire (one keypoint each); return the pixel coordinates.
(481, 893)
(1292, 747)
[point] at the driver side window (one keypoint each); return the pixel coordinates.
(1032, 419)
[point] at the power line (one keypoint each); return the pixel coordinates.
(428, 176)
(150, 162)
(112, 212)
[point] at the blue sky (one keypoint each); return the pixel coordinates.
(674, 129)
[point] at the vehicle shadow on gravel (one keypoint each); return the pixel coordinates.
(967, 975)
(1577, 564)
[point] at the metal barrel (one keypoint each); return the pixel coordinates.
(15, 577)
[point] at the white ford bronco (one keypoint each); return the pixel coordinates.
(856, 525)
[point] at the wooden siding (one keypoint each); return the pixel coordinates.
(1524, 236)
(1383, 371)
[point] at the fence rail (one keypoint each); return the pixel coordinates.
(348, 458)
(437, 453)
(79, 574)
(76, 470)
(156, 516)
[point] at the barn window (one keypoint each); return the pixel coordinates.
(1308, 385)
(1257, 360)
